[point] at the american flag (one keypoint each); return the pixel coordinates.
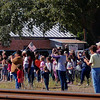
(31, 46)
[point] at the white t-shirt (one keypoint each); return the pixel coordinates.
(25, 63)
(42, 64)
(69, 65)
(49, 65)
(95, 60)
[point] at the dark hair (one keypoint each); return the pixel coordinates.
(19, 66)
(28, 53)
(36, 52)
(93, 48)
(45, 68)
(87, 54)
(19, 52)
(9, 61)
(32, 55)
(61, 52)
(49, 58)
(69, 58)
(36, 56)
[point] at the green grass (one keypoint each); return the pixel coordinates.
(53, 86)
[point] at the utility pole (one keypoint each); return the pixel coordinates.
(84, 31)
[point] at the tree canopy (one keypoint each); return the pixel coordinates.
(71, 15)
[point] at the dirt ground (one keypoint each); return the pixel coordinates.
(83, 88)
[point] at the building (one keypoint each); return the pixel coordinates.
(52, 38)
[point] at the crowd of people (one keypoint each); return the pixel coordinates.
(61, 65)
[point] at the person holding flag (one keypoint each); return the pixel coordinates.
(31, 47)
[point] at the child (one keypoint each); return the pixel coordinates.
(9, 69)
(42, 64)
(45, 75)
(48, 64)
(55, 69)
(20, 75)
(70, 70)
(4, 70)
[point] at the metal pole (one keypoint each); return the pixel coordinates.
(84, 31)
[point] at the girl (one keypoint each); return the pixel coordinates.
(9, 70)
(49, 64)
(4, 70)
(20, 75)
(70, 70)
(42, 64)
(55, 69)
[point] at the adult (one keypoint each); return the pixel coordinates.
(95, 65)
(4, 55)
(85, 68)
(66, 48)
(15, 61)
(62, 69)
(30, 70)
(98, 47)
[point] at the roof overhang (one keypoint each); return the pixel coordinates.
(69, 41)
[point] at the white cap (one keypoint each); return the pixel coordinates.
(98, 44)
(23, 52)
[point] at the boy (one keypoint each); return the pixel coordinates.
(46, 77)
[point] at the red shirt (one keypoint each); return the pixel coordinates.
(20, 76)
(37, 63)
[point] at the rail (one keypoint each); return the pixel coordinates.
(9, 94)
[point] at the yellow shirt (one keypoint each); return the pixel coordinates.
(95, 60)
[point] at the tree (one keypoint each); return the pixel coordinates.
(13, 15)
(71, 15)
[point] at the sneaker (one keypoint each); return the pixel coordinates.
(87, 84)
(79, 84)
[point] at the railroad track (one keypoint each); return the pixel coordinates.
(44, 95)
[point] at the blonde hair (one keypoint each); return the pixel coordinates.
(42, 58)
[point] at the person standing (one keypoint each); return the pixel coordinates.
(85, 68)
(15, 61)
(55, 67)
(37, 67)
(42, 64)
(30, 70)
(9, 69)
(45, 75)
(95, 65)
(62, 69)
(20, 75)
(4, 69)
(98, 47)
(70, 70)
